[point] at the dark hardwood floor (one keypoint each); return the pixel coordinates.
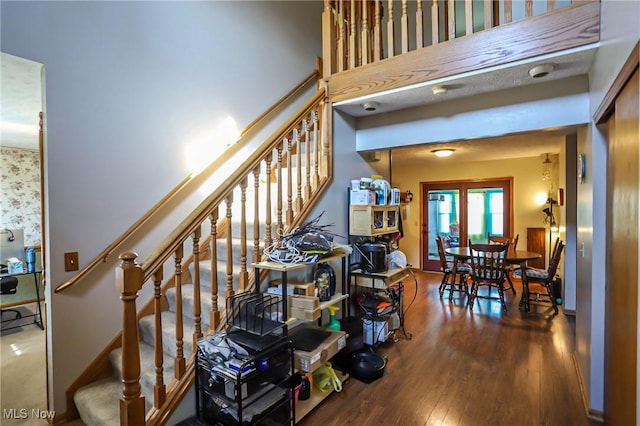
(467, 368)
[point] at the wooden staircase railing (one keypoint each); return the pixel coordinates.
(360, 32)
(107, 253)
(300, 151)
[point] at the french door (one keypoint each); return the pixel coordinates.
(461, 211)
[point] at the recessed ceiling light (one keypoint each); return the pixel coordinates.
(443, 152)
(541, 70)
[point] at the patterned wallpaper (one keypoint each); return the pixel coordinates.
(20, 192)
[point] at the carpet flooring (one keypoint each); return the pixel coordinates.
(22, 375)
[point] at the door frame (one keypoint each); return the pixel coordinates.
(463, 185)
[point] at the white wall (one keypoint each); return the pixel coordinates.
(619, 33)
(128, 85)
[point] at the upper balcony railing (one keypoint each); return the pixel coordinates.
(433, 36)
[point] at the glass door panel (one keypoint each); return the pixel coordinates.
(443, 212)
(463, 210)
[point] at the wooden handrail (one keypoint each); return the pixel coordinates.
(103, 257)
(168, 246)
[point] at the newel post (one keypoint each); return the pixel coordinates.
(128, 283)
(328, 40)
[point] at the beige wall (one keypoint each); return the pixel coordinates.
(529, 192)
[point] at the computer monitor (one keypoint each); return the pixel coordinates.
(11, 244)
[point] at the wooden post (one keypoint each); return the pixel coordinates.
(159, 389)
(244, 275)
(128, 283)
(328, 36)
(214, 313)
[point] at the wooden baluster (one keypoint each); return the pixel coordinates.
(435, 23)
(244, 275)
(159, 389)
(551, 5)
(377, 33)
(289, 216)
(364, 34)
(229, 259)
(390, 40)
(279, 227)
(468, 16)
(352, 37)
(256, 213)
(342, 37)
(404, 27)
(419, 25)
(214, 313)
(507, 11)
(325, 135)
(316, 150)
(528, 8)
(451, 11)
(197, 304)
(268, 238)
(298, 140)
(128, 284)
(179, 362)
(488, 14)
(307, 150)
(328, 36)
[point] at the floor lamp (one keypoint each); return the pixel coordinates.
(551, 219)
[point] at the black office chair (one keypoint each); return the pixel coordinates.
(9, 285)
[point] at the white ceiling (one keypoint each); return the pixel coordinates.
(567, 64)
(20, 101)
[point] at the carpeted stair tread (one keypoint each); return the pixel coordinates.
(147, 327)
(147, 369)
(98, 402)
(206, 273)
(188, 302)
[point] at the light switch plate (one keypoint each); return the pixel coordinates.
(71, 261)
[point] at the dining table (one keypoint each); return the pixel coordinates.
(513, 257)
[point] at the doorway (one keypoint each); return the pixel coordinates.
(21, 151)
(460, 211)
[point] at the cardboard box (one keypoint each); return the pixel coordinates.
(304, 314)
(304, 289)
(363, 197)
(304, 302)
(310, 361)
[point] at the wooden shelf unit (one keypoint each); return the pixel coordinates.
(372, 220)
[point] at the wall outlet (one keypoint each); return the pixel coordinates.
(71, 261)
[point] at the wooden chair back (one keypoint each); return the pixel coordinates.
(443, 258)
(487, 262)
(513, 242)
(555, 259)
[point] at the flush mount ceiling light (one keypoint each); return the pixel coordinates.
(541, 70)
(445, 152)
(439, 90)
(370, 106)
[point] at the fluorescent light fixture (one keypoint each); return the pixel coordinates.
(443, 152)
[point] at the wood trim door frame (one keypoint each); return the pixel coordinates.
(506, 183)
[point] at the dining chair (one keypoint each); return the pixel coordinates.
(513, 242)
(544, 277)
(488, 269)
(449, 282)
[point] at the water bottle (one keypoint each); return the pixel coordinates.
(30, 258)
